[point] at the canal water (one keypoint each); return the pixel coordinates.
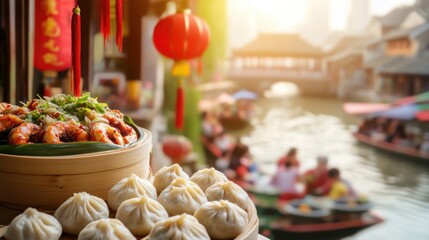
(398, 186)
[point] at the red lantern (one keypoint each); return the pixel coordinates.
(176, 147)
(52, 34)
(181, 37)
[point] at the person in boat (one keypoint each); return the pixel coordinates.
(222, 163)
(226, 112)
(378, 133)
(317, 180)
(401, 138)
(424, 146)
(290, 156)
(244, 109)
(366, 126)
(210, 126)
(239, 162)
(391, 129)
(223, 142)
(339, 188)
(285, 180)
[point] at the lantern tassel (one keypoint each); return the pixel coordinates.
(181, 69)
(76, 51)
(105, 19)
(119, 24)
(200, 67)
(180, 104)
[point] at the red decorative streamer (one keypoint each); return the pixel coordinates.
(119, 7)
(180, 103)
(200, 67)
(76, 51)
(105, 19)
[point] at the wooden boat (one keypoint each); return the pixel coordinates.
(234, 123)
(284, 229)
(391, 148)
(211, 151)
(277, 224)
(413, 110)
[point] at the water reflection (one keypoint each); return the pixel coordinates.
(399, 186)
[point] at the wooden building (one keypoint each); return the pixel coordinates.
(399, 37)
(274, 58)
(407, 68)
(279, 51)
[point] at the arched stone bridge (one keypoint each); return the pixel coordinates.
(314, 83)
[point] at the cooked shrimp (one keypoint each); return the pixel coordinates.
(33, 104)
(9, 121)
(127, 131)
(18, 111)
(103, 132)
(24, 133)
(60, 132)
(117, 113)
(4, 106)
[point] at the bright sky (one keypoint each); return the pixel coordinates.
(290, 13)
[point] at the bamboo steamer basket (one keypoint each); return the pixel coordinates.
(251, 230)
(46, 182)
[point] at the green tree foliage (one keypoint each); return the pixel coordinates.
(192, 126)
(214, 12)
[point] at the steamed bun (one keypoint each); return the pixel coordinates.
(166, 175)
(181, 227)
(34, 225)
(228, 191)
(205, 178)
(106, 229)
(127, 188)
(79, 210)
(222, 219)
(139, 215)
(182, 196)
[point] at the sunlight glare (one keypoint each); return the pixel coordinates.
(339, 12)
(282, 89)
(381, 7)
(279, 15)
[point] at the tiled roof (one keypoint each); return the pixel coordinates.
(395, 17)
(278, 45)
(418, 65)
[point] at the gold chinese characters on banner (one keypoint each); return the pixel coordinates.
(52, 39)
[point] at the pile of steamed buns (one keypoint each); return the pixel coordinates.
(205, 206)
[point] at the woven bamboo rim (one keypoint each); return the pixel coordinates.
(250, 232)
(88, 162)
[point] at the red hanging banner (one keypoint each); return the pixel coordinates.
(52, 34)
(76, 51)
(119, 12)
(105, 19)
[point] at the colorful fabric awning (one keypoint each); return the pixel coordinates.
(408, 108)
(404, 112)
(244, 94)
(364, 108)
(420, 98)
